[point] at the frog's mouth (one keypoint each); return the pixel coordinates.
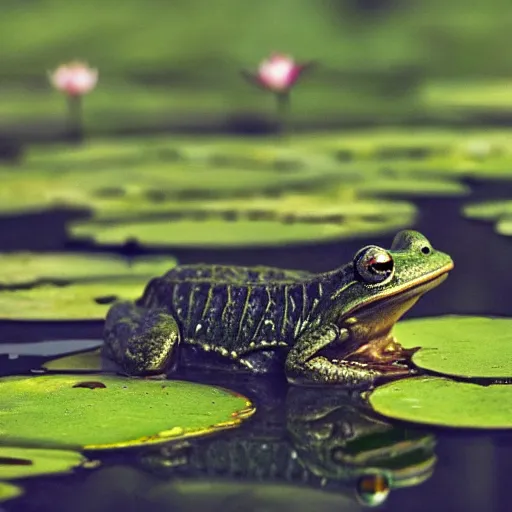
(371, 342)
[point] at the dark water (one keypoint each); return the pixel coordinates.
(301, 439)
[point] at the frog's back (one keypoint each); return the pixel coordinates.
(236, 275)
(236, 309)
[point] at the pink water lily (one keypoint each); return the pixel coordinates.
(279, 72)
(74, 79)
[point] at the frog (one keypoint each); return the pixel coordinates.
(333, 327)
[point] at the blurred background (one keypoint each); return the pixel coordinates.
(176, 65)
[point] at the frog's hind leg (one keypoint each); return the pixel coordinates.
(142, 341)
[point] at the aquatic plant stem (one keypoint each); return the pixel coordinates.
(283, 112)
(74, 130)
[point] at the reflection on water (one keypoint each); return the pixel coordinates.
(310, 446)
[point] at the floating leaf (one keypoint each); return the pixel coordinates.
(463, 346)
(488, 210)
(80, 301)
(84, 184)
(9, 491)
(215, 233)
(411, 185)
(26, 268)
(88, 361)
(18, 462)
(504, 226)
(344, 204)
(444, 402)
(126, 412)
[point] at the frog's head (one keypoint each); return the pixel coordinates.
(382, 286)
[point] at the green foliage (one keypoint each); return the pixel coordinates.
(88, 361)
(78, 301)
(16, 462)
(103, 412)
(216, 233)
(9, 491)
(472, 347)
(444, 402)
(27, 268)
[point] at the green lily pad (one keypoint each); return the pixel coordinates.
(25, 268)
(18, 462)
(9, 491)
(88, 361)
(504, 226)
(341, 203)
(444, 402)
(471, 347)
(411, 186)
(78, 301)
(499, 212)
(488, 210)
(84, 184)
(216, 233)
(104, 411)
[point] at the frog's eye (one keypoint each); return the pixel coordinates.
(374, 264)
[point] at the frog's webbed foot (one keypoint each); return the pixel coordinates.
(304, 366)
(140, 340)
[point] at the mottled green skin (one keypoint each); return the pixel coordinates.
(261, 319)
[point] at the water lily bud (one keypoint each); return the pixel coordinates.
(74, 79)
(278, 73)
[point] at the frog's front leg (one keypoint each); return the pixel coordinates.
(305, 367)
(142, 341)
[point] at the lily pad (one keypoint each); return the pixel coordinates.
(18, 462)
(25, 268)
(81, 185)
(112, 412)
(343, 203)
(488, 210)
(463, 346)
(504, 226)
(88, 361)
(216, 233)
(444, 402)
(79, 301)
(9, 491)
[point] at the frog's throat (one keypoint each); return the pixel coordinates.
(370, 325)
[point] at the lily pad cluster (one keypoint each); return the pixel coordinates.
(67, 286)
(222, 191)
(470, 358)
(498, 212)
(75, 415)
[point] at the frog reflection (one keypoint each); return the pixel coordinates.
(323, 439)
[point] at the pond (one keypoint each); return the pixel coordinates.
(303, 448)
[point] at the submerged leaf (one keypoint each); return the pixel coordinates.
(88, 361)
(463, 346)
(124, 413)
(444, 402)
(18, 462)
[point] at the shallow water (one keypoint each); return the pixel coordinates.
(278, 445)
